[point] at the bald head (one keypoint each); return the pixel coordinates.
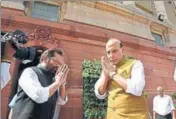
(113, 41)
(160, 88)
(160, 91)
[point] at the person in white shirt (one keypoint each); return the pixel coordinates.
(30, 83)
(5, 74)
(122, 80)
(163, 107)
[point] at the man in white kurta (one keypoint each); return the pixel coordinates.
(163, 106)
(5, 74)
(42, 94)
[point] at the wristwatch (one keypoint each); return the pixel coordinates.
(111, 74)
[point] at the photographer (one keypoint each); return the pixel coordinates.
(12, 47)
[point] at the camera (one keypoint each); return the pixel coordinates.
(16, 39)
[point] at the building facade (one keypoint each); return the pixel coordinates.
(147, 29)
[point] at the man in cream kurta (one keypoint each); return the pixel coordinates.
(122, 80)
(163, 106)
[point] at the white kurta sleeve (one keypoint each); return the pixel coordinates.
(97, 85)
(30, 84)
(59, 104)
(171, 104)
(13, 101)
(136, 83)
(60, 101)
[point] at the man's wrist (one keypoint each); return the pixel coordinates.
(57, 84)
(62, 86)
(111, 74)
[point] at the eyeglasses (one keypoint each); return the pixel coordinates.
(56, 61)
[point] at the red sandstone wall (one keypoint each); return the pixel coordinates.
(81, 42)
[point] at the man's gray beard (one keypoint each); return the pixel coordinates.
(43, 66)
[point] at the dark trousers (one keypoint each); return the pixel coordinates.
(168, 116)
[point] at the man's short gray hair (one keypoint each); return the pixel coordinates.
(50, 53)
(114, 40)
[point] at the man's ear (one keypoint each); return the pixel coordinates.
(45, 59)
